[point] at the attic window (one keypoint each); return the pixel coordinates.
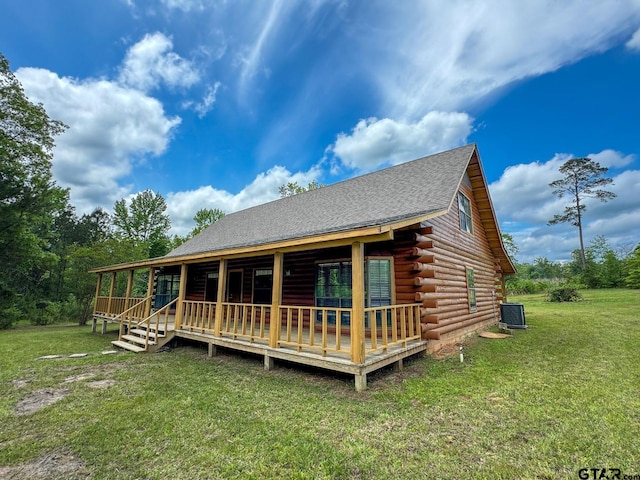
(464, 205)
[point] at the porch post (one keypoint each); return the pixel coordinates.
(112, 290)
(181, 294)
(147, 307)
(357, 298)
(222, 283)
(276, 300)
(127, 295)
(95, 302)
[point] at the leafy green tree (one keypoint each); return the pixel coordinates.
(510, 245)
(205, 217)
(632, 279)
(582, 179)
(293, 188)
(29, 198)
(144, 221)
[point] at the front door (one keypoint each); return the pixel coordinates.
(234, 286)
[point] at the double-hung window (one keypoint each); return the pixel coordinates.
(464, 206)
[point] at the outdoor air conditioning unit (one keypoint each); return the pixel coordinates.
(513, 315)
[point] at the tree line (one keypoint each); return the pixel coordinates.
(46, 248)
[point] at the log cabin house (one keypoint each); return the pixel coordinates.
(350, 277)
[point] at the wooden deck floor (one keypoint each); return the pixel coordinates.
(331, 359)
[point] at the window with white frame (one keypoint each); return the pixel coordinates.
(464, 206)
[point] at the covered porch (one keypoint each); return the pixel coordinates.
(294, 304)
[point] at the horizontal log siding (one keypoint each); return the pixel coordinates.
(445, 251)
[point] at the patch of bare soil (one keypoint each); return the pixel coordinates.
(79, 378)
(446, 351)
(20, 383)
(39, 399)
(49, 467)
(102, 383)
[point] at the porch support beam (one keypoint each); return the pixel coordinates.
(95, 302)
(150, 283)
(276, 300)
(112, 290)
(182, 292)
(127, 295)
(357, 315)
(222, 283)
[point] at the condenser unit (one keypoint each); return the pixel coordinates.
(513, 315)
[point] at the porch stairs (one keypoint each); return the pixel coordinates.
(135, 339)
(147, 335)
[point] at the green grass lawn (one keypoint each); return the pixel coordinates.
(561, 396)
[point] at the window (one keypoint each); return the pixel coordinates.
(262, 285)
(377, 273)
(333, 285)
(167, 289)
(464, 205)
(471, 290)
(211, 287)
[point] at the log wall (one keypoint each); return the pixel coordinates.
(438, 259)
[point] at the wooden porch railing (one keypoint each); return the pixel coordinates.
(117, 305)
(245, 320)
(154, 321)
(132, 315)
(317, 328)
(198, 316)
(391, 325)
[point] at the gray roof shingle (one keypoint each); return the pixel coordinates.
(409, 190)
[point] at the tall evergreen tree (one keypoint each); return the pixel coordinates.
(582, 179)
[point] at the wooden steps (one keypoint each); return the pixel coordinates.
(127, 346)
(135, 340)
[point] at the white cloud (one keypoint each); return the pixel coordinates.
(203, 107)
(151, 62)
(182, 206)
(611, 158)
(524, 203)
(634, 41)
(184, 5)
(374, 142)
(109, 126)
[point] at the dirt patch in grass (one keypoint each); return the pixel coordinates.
(39, 399)
(102, 383)
(20, 383)
(51, 466)
(78, 378)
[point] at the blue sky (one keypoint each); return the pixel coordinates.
(217, 103)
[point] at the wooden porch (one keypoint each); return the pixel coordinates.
(316, 336)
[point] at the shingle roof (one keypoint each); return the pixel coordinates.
(409, 190)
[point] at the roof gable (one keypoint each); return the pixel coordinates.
(411, 190)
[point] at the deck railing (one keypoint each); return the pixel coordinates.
(157, 322)
(391, 326)
(246, 321)
(198, 315)
(132, 315)
(116, 306)
(316, 328)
